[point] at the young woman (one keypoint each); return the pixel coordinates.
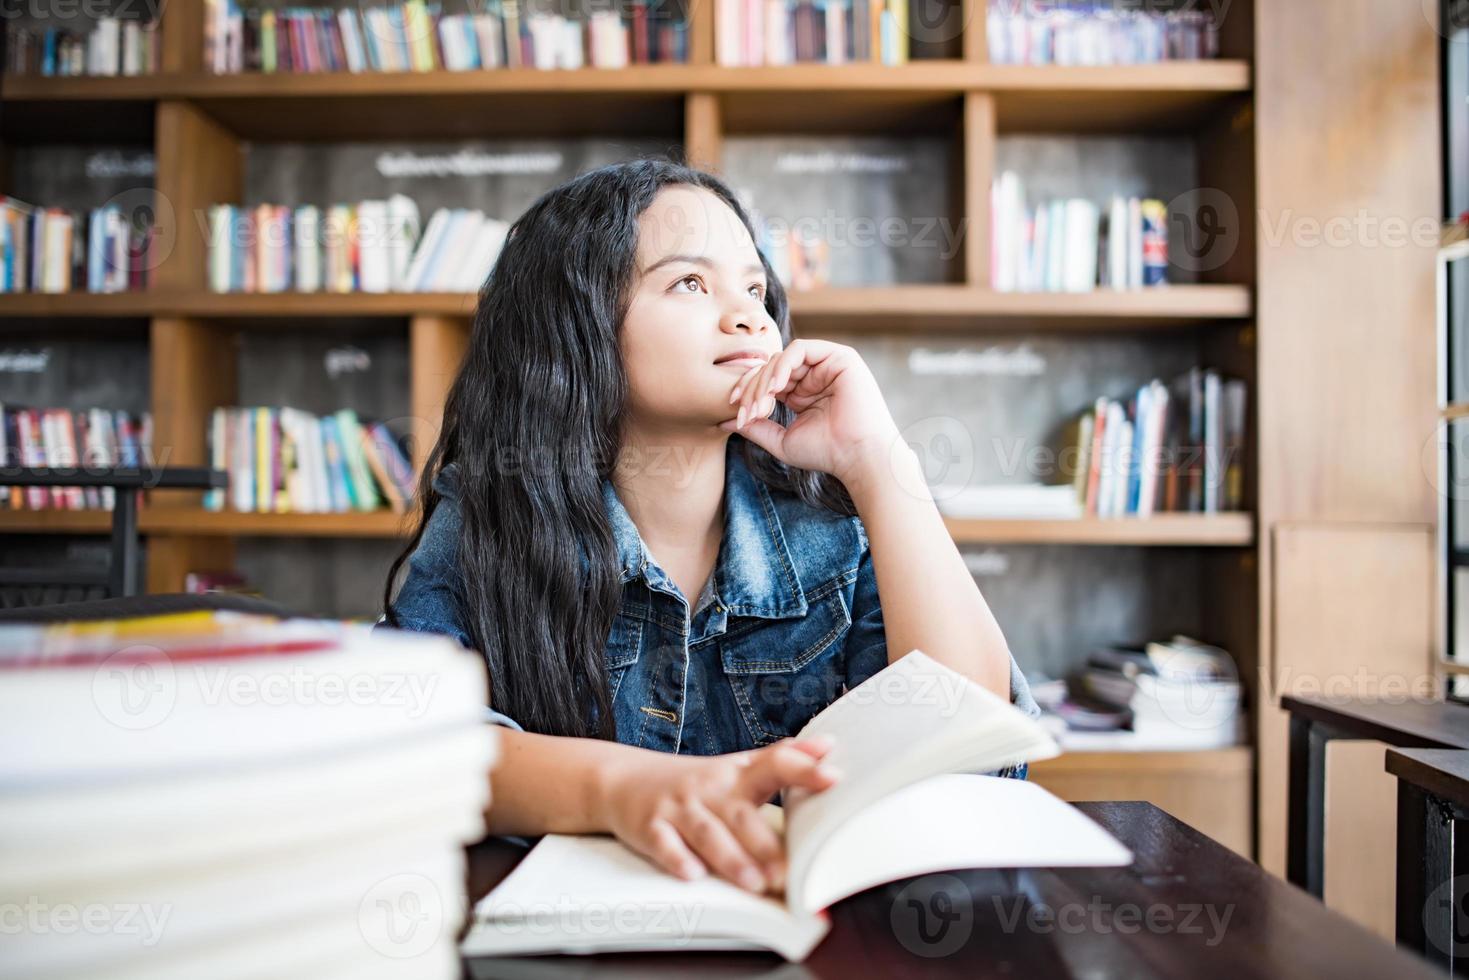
(667, 527)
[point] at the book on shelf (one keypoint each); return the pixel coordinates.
(418, 36)
(284, 460)
(911, 742)
(1075, 245)
(1168, 448)
(1024, 501)
(371, 247)
(95, 438)
(1087, 32)
(833, 32)
(224, 581)
(54, 250)
(111, 46)
(334, 766)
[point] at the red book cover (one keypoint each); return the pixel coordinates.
(312, 45)
(293, 25)
(640, 32)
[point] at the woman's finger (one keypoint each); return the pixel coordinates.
(816, 746)
(758, 838)
(718, 847)
(666, 847)
(781, 765)
(740, 384)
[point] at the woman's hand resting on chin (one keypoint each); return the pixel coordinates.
(842, 424)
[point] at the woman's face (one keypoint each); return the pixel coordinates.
(698, 298)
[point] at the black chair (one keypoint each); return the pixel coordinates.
(120, 578)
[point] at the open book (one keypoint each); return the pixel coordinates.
(904, 740)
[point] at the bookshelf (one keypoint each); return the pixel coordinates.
(202, 126)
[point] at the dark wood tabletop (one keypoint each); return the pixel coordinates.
(1437, 724)
(1441, 772)
(1187, 907)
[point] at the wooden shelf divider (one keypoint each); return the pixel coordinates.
(954, 306)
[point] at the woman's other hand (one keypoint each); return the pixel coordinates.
(693, 815)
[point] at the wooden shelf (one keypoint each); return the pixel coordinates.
(1231, 759)
(1182, 530)
(942, 307)
(647, 99)
(1163, 530)
(55, 521)
(967, 308)
(193, 521)
(177, 520)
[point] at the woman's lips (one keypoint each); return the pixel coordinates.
(743, 363)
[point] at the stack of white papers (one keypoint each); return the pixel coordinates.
(217, 795)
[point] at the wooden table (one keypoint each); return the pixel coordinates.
(1187, 907)
(1433, 853)
(1316, 721)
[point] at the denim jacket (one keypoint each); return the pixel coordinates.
(789, 619)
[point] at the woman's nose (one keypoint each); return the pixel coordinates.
(750, 317)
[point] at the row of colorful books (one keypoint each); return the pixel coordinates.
(59, 437)
(371, 246)
(112, 46)
(1073, 245)
(53, 250)
(1177, 447)
(282, 459)
(1068, 32)
(418, 36)
(783, 32)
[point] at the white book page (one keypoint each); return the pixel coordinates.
(589, 893)
(953, 822)
(914, 719)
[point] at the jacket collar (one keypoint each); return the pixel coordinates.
(754, 574)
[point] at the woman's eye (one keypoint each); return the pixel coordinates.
(692, 279)
(759, 291)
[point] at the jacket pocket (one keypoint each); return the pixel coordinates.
(624, 646)
(783, 672)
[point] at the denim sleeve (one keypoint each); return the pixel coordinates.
(867, 648)
(428, 600)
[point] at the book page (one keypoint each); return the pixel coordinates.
(587, 893)
(915, 718)
(950, 822)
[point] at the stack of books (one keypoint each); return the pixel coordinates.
(94, 439)
(418, 36)
(1075, 245)
(219, 794)
(835, 32)
(1168, 448)
(284, 460)
(112, 46)
(1175, 694)
(53, 250)
(371, 247)
(1088, 32)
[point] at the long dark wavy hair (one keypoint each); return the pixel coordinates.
(543, 383)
